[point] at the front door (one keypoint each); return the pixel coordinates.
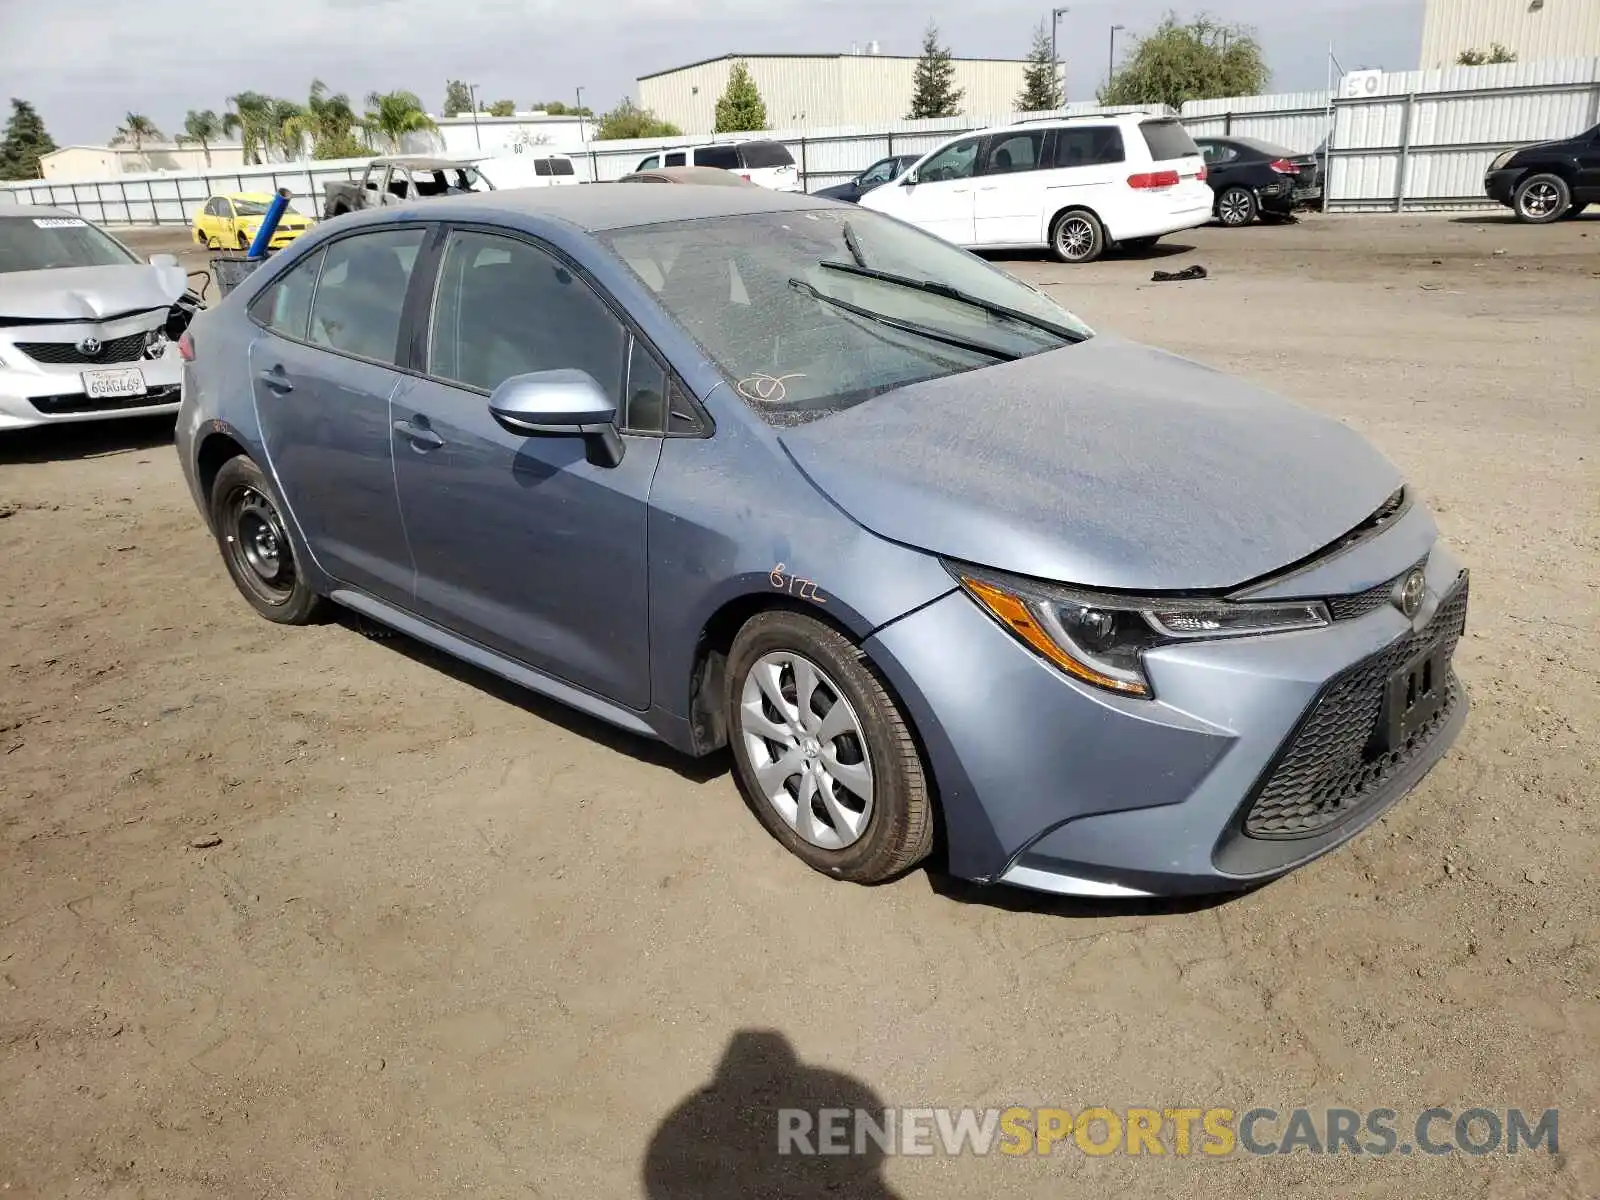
(522, 543)
(323, 372)
(941, 201)
(1588, 189)
(1008, 205)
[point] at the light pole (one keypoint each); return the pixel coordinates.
(583, 133)
(1055, 60)
(1111, 54)
(472, 96)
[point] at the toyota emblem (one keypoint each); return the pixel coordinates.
(1408, 596)
(89, 347)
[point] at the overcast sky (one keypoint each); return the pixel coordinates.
(84, 63)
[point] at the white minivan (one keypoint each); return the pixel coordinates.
(1075, 185)
(765, 163)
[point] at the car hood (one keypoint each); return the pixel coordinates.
(1106, 464)
(88, 293)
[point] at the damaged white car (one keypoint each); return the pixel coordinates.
(86, 325)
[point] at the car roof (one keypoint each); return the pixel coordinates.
(423, 163)
(261, 197)
(711, 176)
(1128, 118)
(597, 207)
(38, 210)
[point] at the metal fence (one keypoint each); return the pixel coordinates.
(1411, 140)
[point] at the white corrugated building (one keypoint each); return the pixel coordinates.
(1532, 29)
(810, 91)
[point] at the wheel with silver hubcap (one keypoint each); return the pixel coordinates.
(826, 760)
(256, 547)
(1237, 206)
(1077, 237)
(1540, 199)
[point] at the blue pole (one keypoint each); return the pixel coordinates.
(269, 224)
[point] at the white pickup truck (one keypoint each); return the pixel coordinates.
(400, 181)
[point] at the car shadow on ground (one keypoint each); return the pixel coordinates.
(1509, 218)
(641, 749)
(1022, 900)
(1115, 254)
(722, 1142)
(85, 439)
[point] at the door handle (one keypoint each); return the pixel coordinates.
(275, 378)
(421, 436)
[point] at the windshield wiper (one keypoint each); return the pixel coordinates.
(934, 288)
(933, 335)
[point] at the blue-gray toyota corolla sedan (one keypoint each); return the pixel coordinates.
(724, 466)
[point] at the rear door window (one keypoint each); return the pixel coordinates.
(674, 160)
(362, 289)
(561, 166)
(541, 166)
(766, 154)
(1010, 152)
(1089, 146)
(1167, 140)
(726, 157)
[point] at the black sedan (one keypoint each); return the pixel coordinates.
(1252, 178)
(879, 173)
(1548, 181)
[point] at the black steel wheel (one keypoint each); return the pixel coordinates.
(256, 547)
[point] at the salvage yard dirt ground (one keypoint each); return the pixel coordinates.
(451, 940)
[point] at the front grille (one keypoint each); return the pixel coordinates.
(56, 406)
(1327, 769)
(1359, 604)
(117, 350)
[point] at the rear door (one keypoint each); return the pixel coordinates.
(941, 199)
(1086, 168)
(1008, 203)
(323, 370)
(522, 544)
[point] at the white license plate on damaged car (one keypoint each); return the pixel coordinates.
(114, 385)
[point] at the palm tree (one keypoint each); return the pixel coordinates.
(250, 118)
(326, 120)
(281, 114)
(136, 129)
(395, 114)
(201, 129)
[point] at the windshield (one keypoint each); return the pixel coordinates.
(43, 243)
(257, 208)
(799, 339)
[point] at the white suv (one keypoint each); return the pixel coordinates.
(1074, 185)
(767, 164)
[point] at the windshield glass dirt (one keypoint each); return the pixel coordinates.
(43, 243)
(798, 339)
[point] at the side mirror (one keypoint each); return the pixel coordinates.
(564, 402)
(910, 178)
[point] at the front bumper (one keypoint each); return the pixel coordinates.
(35, 396)
(1501, 186)
(1055, 786)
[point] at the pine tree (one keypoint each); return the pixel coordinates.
(25, 140)
(933, 87)
(1041, 80)
(740, 108)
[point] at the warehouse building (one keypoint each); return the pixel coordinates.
(814, 91)
(1532, 29)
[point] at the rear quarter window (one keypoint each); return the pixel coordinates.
(726, 157)
(1167, 140)
(766, 154)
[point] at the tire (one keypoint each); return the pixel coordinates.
(214, 244)
(1577, 210)
(199, 238)
(244, 242)
(1540, 199)
(866, 835)
(1237, 207)
(1140, 243)
(1077, 237)
(256, 547)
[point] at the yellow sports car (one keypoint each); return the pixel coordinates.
(230, 222)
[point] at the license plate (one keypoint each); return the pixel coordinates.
(113, 385)
(1413, 697)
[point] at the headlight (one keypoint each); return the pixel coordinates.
(1502, 159)
(1101, 638)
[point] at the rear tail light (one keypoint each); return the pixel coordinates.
(186, 348)
(1154, 179)
(1284, 167)
(744, 177)
(1202, 175)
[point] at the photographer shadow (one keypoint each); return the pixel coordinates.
(722, 1142)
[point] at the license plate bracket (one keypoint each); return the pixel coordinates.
(122, 384)
(1413, 697)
